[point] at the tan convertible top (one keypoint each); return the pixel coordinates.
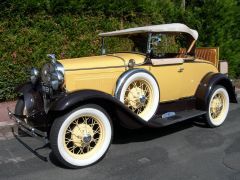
(174, 27)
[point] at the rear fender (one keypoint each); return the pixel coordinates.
(207, 84)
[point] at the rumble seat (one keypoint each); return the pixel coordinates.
(207, 53)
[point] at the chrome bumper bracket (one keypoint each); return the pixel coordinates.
(40, 135)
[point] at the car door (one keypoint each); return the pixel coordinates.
(168, 73)
(166, 67)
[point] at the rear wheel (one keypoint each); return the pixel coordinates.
(81, 137)
(218, 106)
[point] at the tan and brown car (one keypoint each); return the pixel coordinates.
(156, 79)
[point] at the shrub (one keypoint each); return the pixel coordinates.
(31, 29)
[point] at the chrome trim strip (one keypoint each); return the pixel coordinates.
(106, 67)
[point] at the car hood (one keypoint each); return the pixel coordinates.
(109, 60)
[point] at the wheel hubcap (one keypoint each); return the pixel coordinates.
(143, 100)
(87, 138)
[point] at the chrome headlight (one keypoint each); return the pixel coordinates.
(34, 75)
(53, 74)
(56, 80)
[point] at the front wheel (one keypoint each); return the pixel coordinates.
(218, 106)
(81, 137)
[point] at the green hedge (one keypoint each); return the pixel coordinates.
(29, 39)
(31, 29)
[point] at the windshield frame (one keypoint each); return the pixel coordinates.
(127, 36)
(189, 50)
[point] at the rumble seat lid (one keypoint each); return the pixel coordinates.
(174, 27)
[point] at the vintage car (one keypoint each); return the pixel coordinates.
(159, 79)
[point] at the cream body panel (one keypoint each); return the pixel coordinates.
(192, 74)
(169, 81)
(178, 81)
(91, 62)
(97, 79)
(110, 60)
(102, 72)
(97, 72)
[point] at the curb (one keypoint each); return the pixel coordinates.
(6, 124)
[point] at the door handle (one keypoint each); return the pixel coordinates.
(180, 69)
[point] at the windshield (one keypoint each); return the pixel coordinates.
(157, 45)
(169, 45)
(136, 43)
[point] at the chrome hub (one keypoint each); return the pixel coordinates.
(142, 100)
(87, 138)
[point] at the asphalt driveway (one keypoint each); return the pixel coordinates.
(187, 150)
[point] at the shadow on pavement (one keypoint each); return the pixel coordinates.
(123, 135)
(55, 161)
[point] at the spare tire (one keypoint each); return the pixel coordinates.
(139, 91)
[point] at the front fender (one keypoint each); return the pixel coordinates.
(115, 108)
(32, 98)
(25, 87)
(206, 85)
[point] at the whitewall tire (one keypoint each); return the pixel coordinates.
(140, 93)
(81, 137)
(218, 106)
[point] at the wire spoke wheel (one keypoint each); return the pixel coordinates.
(139, 91)
(83, 136)
(218, 106)
(138, 96)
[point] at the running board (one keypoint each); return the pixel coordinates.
(158, 121)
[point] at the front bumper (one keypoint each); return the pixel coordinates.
(40, 135)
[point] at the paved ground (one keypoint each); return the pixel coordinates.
(185, 151)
